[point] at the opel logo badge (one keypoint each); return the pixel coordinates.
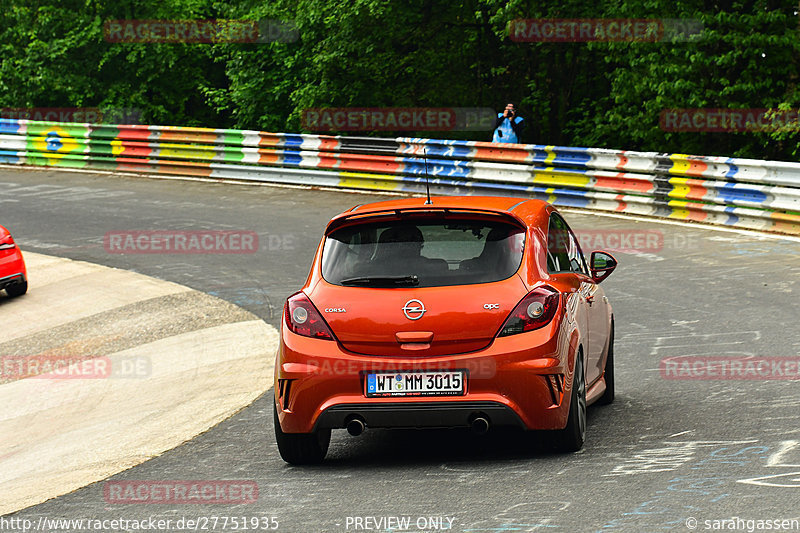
(414, 309)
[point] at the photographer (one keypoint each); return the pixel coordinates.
(508, 126)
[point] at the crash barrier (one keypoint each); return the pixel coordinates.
(747, 193)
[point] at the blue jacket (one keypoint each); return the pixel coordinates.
(506, 132)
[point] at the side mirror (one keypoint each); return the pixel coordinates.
(601, 265)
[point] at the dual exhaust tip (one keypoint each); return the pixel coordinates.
(478, 423)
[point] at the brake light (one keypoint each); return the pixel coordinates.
(536, 310)
(303, 318)
(7, 243)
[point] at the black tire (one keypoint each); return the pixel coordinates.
(608, 372)
(570, 439)
(18, 289)
(301, 448)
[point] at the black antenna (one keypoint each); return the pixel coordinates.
(427, 184)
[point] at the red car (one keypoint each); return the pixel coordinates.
(463, 312)
(13, 276)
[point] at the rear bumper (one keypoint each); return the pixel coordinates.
(443, 414)
(12, 268)
(14, 279)
(515, 381)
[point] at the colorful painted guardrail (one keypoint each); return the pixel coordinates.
(762, 195)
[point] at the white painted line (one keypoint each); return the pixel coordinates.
(64, 434)
(777, 458)
(790, 480)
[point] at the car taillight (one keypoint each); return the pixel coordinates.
(303, 318)
(536, 310)
(7, 243)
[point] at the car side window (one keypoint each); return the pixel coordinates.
(563, 252)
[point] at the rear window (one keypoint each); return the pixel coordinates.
(422, 253)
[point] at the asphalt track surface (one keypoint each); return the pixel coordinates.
(667, 455)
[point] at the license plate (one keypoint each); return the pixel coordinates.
(416, 384)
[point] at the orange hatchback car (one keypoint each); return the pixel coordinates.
(13, 276)
(460, 312)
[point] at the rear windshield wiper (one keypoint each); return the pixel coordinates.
(382, 280)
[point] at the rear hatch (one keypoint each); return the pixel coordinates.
(417, 322)
(421, 285)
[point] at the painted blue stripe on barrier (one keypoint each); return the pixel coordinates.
(578, 156)
(291, 158)
(436, 167)
(566, 161)
(292, 140)
(448, 151)
(730, 193)
(539, 155)
(438, 147)
(9, 157)
(458, 151)
(453, 142)
(733, 168)
(9, 125)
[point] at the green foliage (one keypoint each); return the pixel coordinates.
(53, 53)
(419, 53)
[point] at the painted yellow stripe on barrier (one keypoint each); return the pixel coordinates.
(677, 212)
(679, 188)
(679, 163)
(359, 180)
(552, 197)
(695, 210)
(195, 152)
(551, 155)
(116, 147)
(549, 177)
